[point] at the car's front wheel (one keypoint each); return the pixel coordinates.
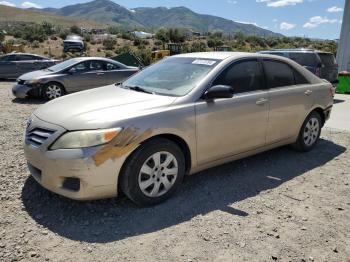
(309, 133)
(52, 91)
(153, 173)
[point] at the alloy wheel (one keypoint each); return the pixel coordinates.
(158, 174)
(311, 131)
(53, 91)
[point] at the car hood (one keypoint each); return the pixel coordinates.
(101, 107)
(35, 74)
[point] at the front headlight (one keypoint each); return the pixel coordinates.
(87, 138)
(33, 82)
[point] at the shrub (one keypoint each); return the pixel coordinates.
(75, 30)
(108, 54)
(35, 44)
(109, 43)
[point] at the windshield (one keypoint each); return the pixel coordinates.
(63, 65)
(172, 76)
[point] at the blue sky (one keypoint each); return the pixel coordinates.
(312, 18)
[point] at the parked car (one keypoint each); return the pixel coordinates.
(322, 64)
(15, 64)
(179, 116)
(72, 75)
(73, 43)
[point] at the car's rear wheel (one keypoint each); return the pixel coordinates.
(309, 133)
(153, 173)
(52, 91)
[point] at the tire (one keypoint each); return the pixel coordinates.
(309, 133)
(52, 91)
(145, 182)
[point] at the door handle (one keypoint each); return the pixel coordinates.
(308, 92)
(261, 101)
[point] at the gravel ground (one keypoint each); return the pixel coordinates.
(275, 206)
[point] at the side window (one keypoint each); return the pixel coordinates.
(80, 68)
(278, 74)
(25, 58)
(110, 66)
(37, 58)
(299, 78)
(95, 65)
(8, 58)
(11, 58)
(243, 76)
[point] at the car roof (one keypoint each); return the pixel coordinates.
(17, 53)
(85, 58)
(296, 50)
(218, 55)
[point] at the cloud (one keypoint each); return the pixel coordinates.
(334, 9)
(315, 21)
(7, 3)
(232, 2)
(28, 4)
(286, 26)
(280, 3)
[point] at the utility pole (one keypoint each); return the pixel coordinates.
(343, 54)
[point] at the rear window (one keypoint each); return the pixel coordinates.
(278, 74)
(304, 59)
(327, 59)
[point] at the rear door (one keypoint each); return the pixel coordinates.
(290, 99)
(8, 67)
(230, 126)
(329, 68)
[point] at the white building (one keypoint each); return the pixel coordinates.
(343, 54)
(143, 35)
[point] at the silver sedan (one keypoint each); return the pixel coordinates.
(70, 76)
(184, 114)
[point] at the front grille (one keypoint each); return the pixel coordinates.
(39, 135)
(20, 82)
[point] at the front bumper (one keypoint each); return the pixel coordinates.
(22, 91)
(53, 168)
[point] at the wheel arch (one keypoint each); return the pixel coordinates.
(320, 111)
(180, 142)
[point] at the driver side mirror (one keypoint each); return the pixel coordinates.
(218, 91)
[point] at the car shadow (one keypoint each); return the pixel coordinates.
(214, 189)
(338, 101)
(29, 100)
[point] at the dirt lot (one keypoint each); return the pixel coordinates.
(276, 206)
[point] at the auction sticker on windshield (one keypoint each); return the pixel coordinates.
(203, 62)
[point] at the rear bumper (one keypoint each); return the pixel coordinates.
(327, 112)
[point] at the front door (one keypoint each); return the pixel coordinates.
(85, 75)
(225, 127)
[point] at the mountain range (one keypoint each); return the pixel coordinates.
(146, 18)
(108, 12)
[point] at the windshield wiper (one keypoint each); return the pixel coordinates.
(139, 89)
